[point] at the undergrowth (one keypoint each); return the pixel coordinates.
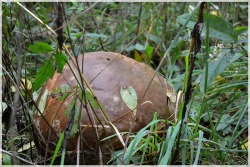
(215, 129)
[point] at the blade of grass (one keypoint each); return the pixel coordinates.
(134, 143)
(184, 150)
(58, 146)
(167, 156)
(205, 129)
(199, 147)
(148, 139)
(191, 152)
(234, 136)
(165, 143)
(63, 156)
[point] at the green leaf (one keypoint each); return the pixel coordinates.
(153, 38)
(235, 57)
(43, 73)
(63, 97)
(42, 13)
(6, 159)
(63, 92)
(78, 35)
(40, 47)
(241, 30)
(74, 128)
(218, 27)
(61, 60)
(64, 88)
(70, 107)
(221, 29)
(183, 18)
(139, 47)
(215, 68)
(129, 96)
(224, 124)
(91, 99)
(95, 35)
(149, 52)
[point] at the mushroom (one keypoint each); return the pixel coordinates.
(107, 74)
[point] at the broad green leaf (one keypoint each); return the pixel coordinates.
(129, 96)
(218, 27)
(235, 57)
(221, 29)
(153, 38)
(183, 18)
(214, 69)
(139, 47)
(61, 60)
(6, 159)
(47, 70)
(130, 48)
(40, 47)
(225, 124)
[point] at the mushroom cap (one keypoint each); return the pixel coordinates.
(107, 73)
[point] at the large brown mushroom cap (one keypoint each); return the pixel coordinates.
(107, 73)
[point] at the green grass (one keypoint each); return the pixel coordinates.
(215, 128)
